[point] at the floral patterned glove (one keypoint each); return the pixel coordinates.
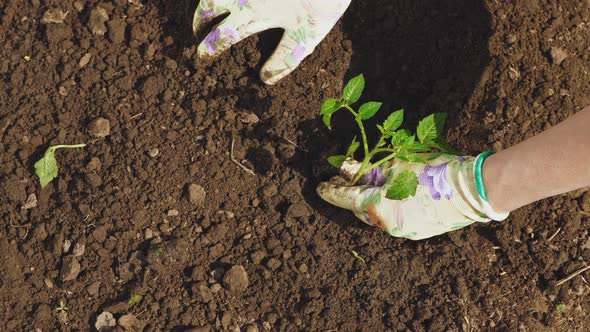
(448, 196)
(306, 23)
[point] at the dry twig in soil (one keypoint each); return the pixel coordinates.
(573, 275)
(231, 155)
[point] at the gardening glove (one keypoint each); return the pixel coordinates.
(450, 195)
(306, 23)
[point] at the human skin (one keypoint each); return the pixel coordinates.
(553, 162)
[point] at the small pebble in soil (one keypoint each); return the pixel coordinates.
(66, 246)
(79, 249)
(70, 268)
(94, 289)
(30, 203)
(236, 279)
(511, 39)
(96, 22)
(558, 55)
(154, 152)
(54, 15)
(105, 322)
(100, 127)
(84, 60)
(251, 328)
(172, 213)
(196, 194)
(130, 323)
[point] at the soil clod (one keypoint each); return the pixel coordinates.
(96, 22)
(100, 127)
(70, 268)
(236, 279)
(196, 194)
(105, 322)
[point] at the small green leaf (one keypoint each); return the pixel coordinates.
(431, 127)
(442, 145)
(561, 308)
(400, 136)
(403, 186)
(353, 147)
(337, 161)
(46, 168)
(358, 256)
(369, 109)
(327, 119)
(330, 106)
(409, 157)
(354, 89)
(135, 299)
(381, 129)
(417, 147)
(393, 121)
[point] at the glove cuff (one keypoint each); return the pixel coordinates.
(481, 189)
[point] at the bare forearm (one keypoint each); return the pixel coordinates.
(553, 162)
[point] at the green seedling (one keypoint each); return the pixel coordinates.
(394, 142)
(561, 308)
(135, 299)
(46, 168)
(358, 256)
(62, 307)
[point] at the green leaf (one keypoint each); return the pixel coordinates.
(354, 89)
(381, 129)
(369, 109)
(135, 299)
(330, 106)
(409, 157)
(393, 121)
(417, 147)
(442, 145)
(403, 186)
(337, 161)
(431, 127)
(327, 119)
(46, 168)
(353, 147)
(358, 256)
(400, 136)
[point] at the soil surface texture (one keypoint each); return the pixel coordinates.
(152, 226)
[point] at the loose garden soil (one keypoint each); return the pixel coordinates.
(155, 207)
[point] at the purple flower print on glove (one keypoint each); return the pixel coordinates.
(435, 177)
(211, 39)
(374, 177)
(230, 33)
(216, 35)
(242, 2)
(299, 52)
(206, 13)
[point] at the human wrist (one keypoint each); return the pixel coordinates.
(493, 173)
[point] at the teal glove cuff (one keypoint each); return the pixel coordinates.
(481, 189)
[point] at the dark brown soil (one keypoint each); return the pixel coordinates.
(488, 64)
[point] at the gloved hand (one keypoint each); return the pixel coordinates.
(447, 197)
(306, 23)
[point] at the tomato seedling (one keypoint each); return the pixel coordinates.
(46, 168)
(394, 142)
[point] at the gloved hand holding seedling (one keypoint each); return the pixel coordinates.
(306, 23)
(411, 186)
